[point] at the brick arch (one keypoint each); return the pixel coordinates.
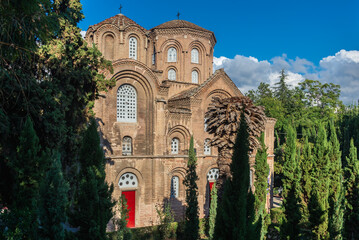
(171, 43)
(180, 172)
(202, 52)
(183, 134)
(98, 34)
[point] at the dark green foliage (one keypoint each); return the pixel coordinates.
(351, 173)
(212, 212)
(123, 233)
(235, 211)
(291, 188)
(53, 202)
(93, 203)
(166, 217)
(261, 184)
(192, 211)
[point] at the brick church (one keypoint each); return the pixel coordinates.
(164, 84)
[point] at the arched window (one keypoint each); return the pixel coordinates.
(126, 104)
(194, 76)
(207, 147)
(194, 55)
(127, 146)
(172, 74)
(172, 55)
(213, 175)
(133, 48)
(128, 180)
(174, 145)
(174, 186)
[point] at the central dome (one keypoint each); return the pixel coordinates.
(180, 24)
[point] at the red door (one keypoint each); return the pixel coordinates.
(131, 203)
(210, 190)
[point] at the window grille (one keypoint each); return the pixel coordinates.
(194, 76)
(174, 186)
(174, 146)
(127, 146)
(126, 104)
(133, 48)
(207, 147)
(194, 55)
(172, 74)
(172, 55)
(213, 175)
(128, 180)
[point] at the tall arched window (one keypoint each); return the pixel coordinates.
(194, 76)
(126, 104)
(128, 180)
(172, 74)
(174, 186)
(194, 55)
(172, 55)
(207, 147)
(127, 146)
(175, 146)
(133, 48)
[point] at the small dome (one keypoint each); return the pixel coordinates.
(118, 20)
(180, 24)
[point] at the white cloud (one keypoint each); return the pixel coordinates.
(83, 33)
(342, 69)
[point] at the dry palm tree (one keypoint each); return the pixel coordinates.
(222, 118)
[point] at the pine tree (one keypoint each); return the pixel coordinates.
(123, 233)
(351, 172)
(192, 211)
(53, 203)
(232, 219)
(291, 188)
(93, 206)
(212, 212)
(261, 184)
(336, 190)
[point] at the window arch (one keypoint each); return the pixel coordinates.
(128, 180)
(174, 146)
(194, 76)
(126, 104)
(213, 175)
(172, 74)
(132, 48)
(127, 146)
(207, 147)
(174, 186)
(172, 55)
(194, 55)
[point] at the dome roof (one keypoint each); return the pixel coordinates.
(180, 24)
(119, 20)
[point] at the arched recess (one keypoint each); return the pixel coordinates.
(179, 172)
(139, 45)
(108, 45)
(132, 192)
(201, 50)
(100, 34)
(183, 135)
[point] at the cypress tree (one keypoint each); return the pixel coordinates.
(261, 184)
(351, 171)
(291, 188)
(93, 203)
(212, 212)
(192, 211)
(123, 232)
(53, 203)
(336, 190)
(232, 219)
(318, 202)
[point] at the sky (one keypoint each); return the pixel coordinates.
(314, 39)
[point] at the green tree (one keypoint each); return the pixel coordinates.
(212, 212)
(261, 184)
(93, 203)
(192, 211)
(233, 217)
(291, 188)
(351, 172)
(123, 232)
(53, 202)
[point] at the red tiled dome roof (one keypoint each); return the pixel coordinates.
(118, 20)
(180, 24)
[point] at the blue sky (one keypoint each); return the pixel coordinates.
(255, 39)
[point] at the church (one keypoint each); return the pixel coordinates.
(164, 85)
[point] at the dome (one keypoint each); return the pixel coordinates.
(180, 24)
(119, 20)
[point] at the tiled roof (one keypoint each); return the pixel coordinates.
(180, 24)
(118, 20)
(193, 91)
